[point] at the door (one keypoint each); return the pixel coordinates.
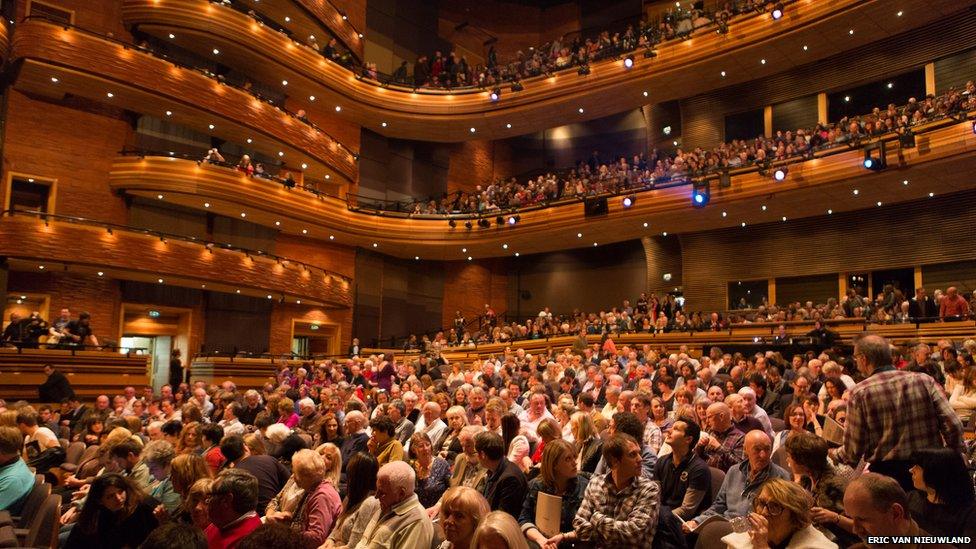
(158, 348)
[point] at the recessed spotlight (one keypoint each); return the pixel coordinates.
(594, 244)
(899, 14)
(830, 212)
(41, 267)
(805, 48)
(581, 110)
(338, 108)
(238, 291)
(298, 301)
(579, 235)
(159, 280)
(851, 32)
(216, 51)
(360, 35)
(249, 140)
(665, 233)
(383, 124)
(110, 95)
(464, 250)
(784, 218)
(159, 196)
(879, 203)
(856, 192)
(723, 74)
(269, 296)
(304, 166)
(509, 126)
(287, 19)
(331, 237)
(504, 246)
(762, 61)
(311, 98)
(345, 17)
(374, 244)
(206, 204)
(516, 254)
(891, 85)
(277, 223)
(211, 126)
(645, 94)
(328, 176)
(645, 224)
(931, 195)
(743, 223)
(284, 82)
(172, 36)
(281, 153)
(472, 130)
(416, 257)
(725, 214)
(847, 99)
(470, 258)
(905, 182)
(243, 214)
(763, 207)
(169, 113)
(304, 231)
(101, 273)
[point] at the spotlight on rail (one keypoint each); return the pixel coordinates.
(513, 219)
(629, 201)
(495, 94)
(629, 62)
(875, 157)
(780, 173)
(777, 12)
(700, 194)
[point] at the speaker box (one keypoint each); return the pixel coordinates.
(595, 206)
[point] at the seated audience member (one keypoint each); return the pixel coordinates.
(197, 505)
(620, 507)
(640, 406)
(186, 470)
(400, 522)
(721, 446)
(37, 440)
(537, 411)
(212, 434)
(962, 396)
(462, 510)
(943, 500)
(274, 535)
(588, 442)
(686, 481)
(158, 456)
(320, 507)
(806, 455)
(923, 419)
(498, 530)
(558, 476)
(430, 422)
(231, 422)
(252, 407)
(877, 506)
(16, 480)
(796, 422)
(516, 443)
(752, 408)
(356, 440)
(627, 423)
(190, 438)
(116, 514)
(740, 419)
(232, 508)
(743, 481)
(505, 487)
(359, 504)
(382, 444)
(397, 410)
(271, 475)
(433, 472)
(781, 518)
(126, 456)
(467, 469)
(287, 414)
(175, 536)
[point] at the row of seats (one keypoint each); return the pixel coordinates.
(36, 524)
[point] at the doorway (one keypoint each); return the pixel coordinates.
(158, 348)
(314, 338)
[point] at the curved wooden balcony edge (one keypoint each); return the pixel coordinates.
(937, 163)
(681, 69)
(28, 239)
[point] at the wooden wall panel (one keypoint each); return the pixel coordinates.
(816, 288)
(663, 256)
(798, 113)
(702, 115)
(283, 315)
(936, 230)
(961, 274)
(469, 285)
(954, 70)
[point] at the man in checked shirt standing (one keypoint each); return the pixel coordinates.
(620, 507)
(893, 413)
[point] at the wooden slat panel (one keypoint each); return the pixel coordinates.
(798, 113)
(954, 70)
(91, 373)
(816, 288)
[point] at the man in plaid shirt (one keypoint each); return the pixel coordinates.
(893, 413)
(619, 508)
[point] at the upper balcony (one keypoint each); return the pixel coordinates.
(939, 164)
(56, 60)
(706, 61)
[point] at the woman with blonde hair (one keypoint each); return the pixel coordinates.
(588, 442)
(189, 439)
(333, 461)
(780, 518)
(255, 444)
(558, 476)
(185, 471)
(196, 505)
(462, 510)
(498, 531)
(320, 507)
(449, 446)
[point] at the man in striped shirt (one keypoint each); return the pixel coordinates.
(893, 413)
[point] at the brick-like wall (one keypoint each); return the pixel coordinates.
(324, 254)
(72, 146)
(100, 297)
(283, 315)
(468, 286)
(476, 163)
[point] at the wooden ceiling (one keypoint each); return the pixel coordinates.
(681, 69)
(941, 163)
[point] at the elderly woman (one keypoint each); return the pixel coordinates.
(449, 446)
(318, 510)
(158, 456)
(462, 510)
(433, 472)
(781, 519)
(287, 414)
(558, 476)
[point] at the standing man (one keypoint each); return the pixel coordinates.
(921, 308)
(56, 387)
(954, 306)
(620, 507)
(79, 331)
(893, 413)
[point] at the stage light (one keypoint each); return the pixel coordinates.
(517, 86)
(780, 173)
(513, 219)
(484, 223)
(777, 12)
(468, 225)
(495, 94)
(629, 62)
(583, 70)
(875, 157)
(700, 194)
(452, 223)
(499, 220)
(629, 201)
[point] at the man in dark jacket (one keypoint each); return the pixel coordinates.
(56, 387)
(506, 486)
(921, 308)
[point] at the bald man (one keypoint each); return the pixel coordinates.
(721, 445)
(875, 505)
(743, 481)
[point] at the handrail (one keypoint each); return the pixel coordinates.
(222, 80)
(273, 356)
(48, 217)
(73, 348)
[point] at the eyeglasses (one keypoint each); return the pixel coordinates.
(771, 508)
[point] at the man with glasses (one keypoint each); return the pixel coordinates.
(893, 413)
(232, 508)
(721, 446)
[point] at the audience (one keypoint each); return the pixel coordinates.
(117, 513)
(233, 508)
(400, 522)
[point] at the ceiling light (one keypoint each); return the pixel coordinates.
(516, 254)
(899, 13)
(277, 223)
(216, 51)
(891, 85)
(331, 237)
(344, 17)
(211, 126)
(360, 35)
(504, 246)
(304, 166)
(243, 214)
(328, 176)
(743, 223)
(830, 212)
(206, 204)
(784, 218)
(41, 267)
(856, 192)
(645, 94)
(100, 273)
(645, 224)
(338, 108)
(851, 32)
(54, 79)
(931, 195)
(879, 203)
(905, 182)
(417, 257)
(762, 61)
(594, 244)
(665, 233)
(723, 74)
(375, 245)
(847, 99)
(472, 130)
(287, 19)
(629, 62)
(763, 207)
(281, 153)
(172, 36)
(304, 231)
(464, 250)
(581, 110)
(725, 214)
(169, 113)
(249, 140)
(470, 258)
(284, 82)
(579, 235)
(269, 296)
(159, 196)
(805, 48)
(383, 124)
(509, 126)
(238, 291)
(110, 95)
(159, 280)
(311, 98)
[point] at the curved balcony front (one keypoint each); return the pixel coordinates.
(35, 243)
(57, 60)
(939, 164)
(681, 68)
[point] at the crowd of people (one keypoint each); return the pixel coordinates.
(641, 447)
(599, 175)
(665, 313)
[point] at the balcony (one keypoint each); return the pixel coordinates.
(34, 243)
(58, 60)
(681, 69)
(938, 164)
